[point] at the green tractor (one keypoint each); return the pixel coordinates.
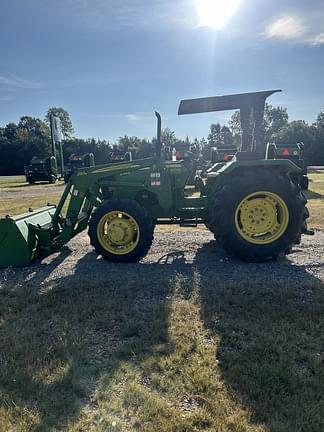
(41, 170)
(75, 162)
(222, 153)
(293, 152)
(254, 206)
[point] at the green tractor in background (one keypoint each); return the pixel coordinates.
(75, 162)
(222, 153)
(293, 152)
(254, 206)
(119, 155)
(43, 170)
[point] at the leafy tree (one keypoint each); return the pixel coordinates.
(145, 150)
(299, 131)
(227, 137)
(296, 131)
(19, 143)
(32, 138)
(196, 148)
(10, 130)
(275, 118)
(168, 137)
(64, 116)
(35, 127)
(218, 136)
(235, 123)
(100, 148)
(127, 143)
(319, 120)
(140, 148)
(316, 154)
(205, 149)
(215, 135)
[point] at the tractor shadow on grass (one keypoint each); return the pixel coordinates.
(60, 339)
(314, 195)
(270, 320)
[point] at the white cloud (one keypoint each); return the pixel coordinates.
(295, 28)
(12, 82)
(133, 118)
(286, 27)
(318, 39)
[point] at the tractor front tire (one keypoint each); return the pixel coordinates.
(121, 230)
(259, 215)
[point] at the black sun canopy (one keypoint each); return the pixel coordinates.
(224, 103)
(251, 106)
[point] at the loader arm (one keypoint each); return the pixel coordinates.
(81, 195)
(43, 231)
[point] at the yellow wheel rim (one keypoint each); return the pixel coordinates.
(261, 217)
(118, 232)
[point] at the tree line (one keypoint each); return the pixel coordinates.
(31, 137)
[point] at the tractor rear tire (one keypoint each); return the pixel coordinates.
(121, 230)
(304, 183)
(259, 215)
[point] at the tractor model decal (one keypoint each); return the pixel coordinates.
(155, 179)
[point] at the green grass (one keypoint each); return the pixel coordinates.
(315, 197)
(20, 182)
(13, 181)
(316, 185)
(15, 206)
(17, 196)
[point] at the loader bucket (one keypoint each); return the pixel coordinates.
(18, 242)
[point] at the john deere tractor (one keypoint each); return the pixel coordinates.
(41, 170)
(254, 206)
(75, 162)
(294, 152)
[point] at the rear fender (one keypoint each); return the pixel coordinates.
(278, 165)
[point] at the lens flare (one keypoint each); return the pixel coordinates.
(215, 13)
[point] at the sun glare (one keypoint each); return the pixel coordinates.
(215, 13)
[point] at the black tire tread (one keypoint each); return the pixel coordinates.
(222, 214)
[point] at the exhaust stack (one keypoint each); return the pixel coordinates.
(158, 146)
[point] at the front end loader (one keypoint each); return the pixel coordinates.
(253, 205)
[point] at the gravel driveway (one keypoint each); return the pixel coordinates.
(175, 251)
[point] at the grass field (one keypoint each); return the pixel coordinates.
(17, 196)
(315, 197)
(162, 348)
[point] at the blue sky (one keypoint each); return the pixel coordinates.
(111, 63)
